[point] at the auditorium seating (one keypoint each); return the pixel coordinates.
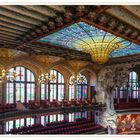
(78, 127)
(133, 103)
(47, 104)
(7, 108)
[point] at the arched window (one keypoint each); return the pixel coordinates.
(82, 90)
(133, 85)
(54, 89)
(130, 91)
(22, 88)
(71, 90)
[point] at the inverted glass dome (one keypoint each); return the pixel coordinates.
(100, 44)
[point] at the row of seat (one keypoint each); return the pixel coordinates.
(123, 104)
(63, 103)
(7, 107)
(64, 127)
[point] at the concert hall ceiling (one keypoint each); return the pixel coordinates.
(21, 27)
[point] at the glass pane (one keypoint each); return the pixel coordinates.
(10, 93)
(42, 91)
(60, 92)
(42, 120)
(17, 123)
(71, 92)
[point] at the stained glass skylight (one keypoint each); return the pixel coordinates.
(100, 44)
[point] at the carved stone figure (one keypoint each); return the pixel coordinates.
(108, 79)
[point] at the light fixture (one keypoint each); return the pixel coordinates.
(79, 79)
(45, 78)
(2, 75)
(11, 76)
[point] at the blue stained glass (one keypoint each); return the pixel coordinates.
(133, 49)
(80, 35)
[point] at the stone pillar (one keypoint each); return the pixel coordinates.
(37, 120)
(66, 91)
(118, 97)
(89, 90)
(127, 97)
(138, 94)
(4, 92)
(66, 117)
(38, 92)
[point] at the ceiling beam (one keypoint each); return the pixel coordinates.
(3, 38)
(16, 27)
(57, 8)
(41, 9)
(24, 11)
(19, 17)
(10, 30)
(7, 41)
(123, 15)
(103, 8)
(8, 34)
(16, 22)
(130, 10)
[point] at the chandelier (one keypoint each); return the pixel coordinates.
(2, 75)
(45, 78)
(10, 76)
(79, 79)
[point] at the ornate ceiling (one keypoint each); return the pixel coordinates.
(22, 25)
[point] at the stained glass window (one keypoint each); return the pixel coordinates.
(84, 37)
(54, 89)
(82, 90)
(71, 91)
(131, 90)
(22, 88)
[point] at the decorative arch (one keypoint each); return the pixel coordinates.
(93, 77)
(22, 88)
(53, 90)
(35, 67)
(78, 90)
